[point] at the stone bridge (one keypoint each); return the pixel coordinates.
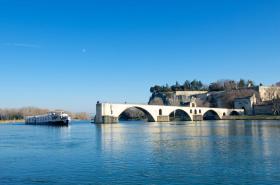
(110, 113)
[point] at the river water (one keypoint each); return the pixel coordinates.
(213, 152)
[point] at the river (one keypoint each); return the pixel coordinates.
(208, 152)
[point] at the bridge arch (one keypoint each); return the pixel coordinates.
(234, 113)
(211, 115)
(148, 114)
(179, 115)
(245, 110)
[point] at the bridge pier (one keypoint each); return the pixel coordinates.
(112, 119)
(106, 120)
(163, 119)
(197, 118)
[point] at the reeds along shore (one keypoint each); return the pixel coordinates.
(256, 117)
(9, 115)
(12, 121)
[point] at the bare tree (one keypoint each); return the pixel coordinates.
(276, 107)
(273, 93)
(17, 114)
(230, 85)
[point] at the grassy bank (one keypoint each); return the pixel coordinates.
(11, 121)
(257, 117)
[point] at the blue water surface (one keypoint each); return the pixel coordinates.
(208, 152)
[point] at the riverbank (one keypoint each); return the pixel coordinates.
(256, 117)
(22, 121)
(11, 121)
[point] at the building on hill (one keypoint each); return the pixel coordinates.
(189, 93)
(246, 103)
(266, 104)
(268, 93)
(185, 97)
(192, 102)
(264, 108)
(271, 107)
(176, 98)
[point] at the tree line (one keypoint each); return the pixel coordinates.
(227, 85)
(19, 114)
(197, 85)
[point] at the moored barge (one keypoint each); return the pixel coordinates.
(56, 118)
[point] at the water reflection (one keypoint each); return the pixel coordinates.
(157, 135)
(203, 147)
(208, 152)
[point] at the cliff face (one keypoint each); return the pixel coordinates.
(211, 99)
(164, 99)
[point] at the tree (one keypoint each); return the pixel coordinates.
(230, 85)
(250, 83)
(187, 85)
(196, 85)
(157, 88)
(216, 86)
(241, 84)
(276, 106)
(200, 85)
(177, 86)
(273, 93)
(17, 114)
(165, 88)
(152, 89)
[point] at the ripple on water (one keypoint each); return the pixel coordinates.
(232, 152)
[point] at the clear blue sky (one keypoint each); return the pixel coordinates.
(69, 54)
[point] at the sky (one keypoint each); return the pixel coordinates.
(71, 54)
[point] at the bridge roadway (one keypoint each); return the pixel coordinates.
(110, 113)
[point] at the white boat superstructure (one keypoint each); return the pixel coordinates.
(52, 118)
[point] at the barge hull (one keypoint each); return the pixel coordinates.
(56, 123)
